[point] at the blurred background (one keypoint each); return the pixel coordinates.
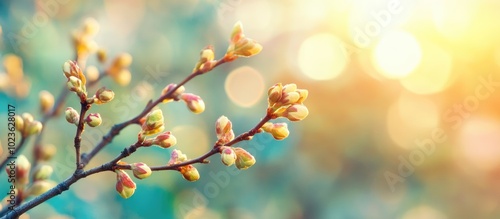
(403, 101)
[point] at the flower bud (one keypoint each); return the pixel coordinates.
(74, 84)
(247, 47)
(177, 157)
(123, 60)
(296, 112)
(124, 184)
(207, 54)
(72, 116)
(193, 102)
(237, 32)
(206, 62)
(223, 129)
(289, 88)
(228, 156)
(39, 187)
(19, 123)
(23, 167)
(290, 98)
(46, 101)
(123, 77)
(90, 27)
(223, 125)
(103, 95)
(207, 66)
(174, 95)
(190, 173)
(92, 73)
(42, 172)
(303, 93)
(244, 160)
(278, 130)
(33, 128)
(274, 93)
(141, 170)
(71, 68)
(165, 140)
(45, 152)
(27, 118)
(93, 119)
(153, 123)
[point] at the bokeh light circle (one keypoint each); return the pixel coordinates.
(322, 56)
(479, 141)
(397, 54)
(244, 86)
(433, 74)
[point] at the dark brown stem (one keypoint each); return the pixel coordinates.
(115, 130)
(55, 111)
(85, 158)
(60, 188)
(215, 149)
(78, 136)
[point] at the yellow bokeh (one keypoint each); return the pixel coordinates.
(433, 74)
(322, 56)
(397, 54)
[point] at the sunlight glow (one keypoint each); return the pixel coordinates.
(397, 54)
(322, 57)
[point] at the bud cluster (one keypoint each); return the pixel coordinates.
(46, 101)
(189, 172)
(14, 82)
(118, 70)
(76, 79)
(83, 38)
(287, 101)
(241, 46)
(26, 125)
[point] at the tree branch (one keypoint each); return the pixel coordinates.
(60, 188)
(202, 158)
(78, 136)
(116, 129)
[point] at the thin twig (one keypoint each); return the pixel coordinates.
(60, 188)
(116, 129)
(216, 148)
(78, 136)
(202, 158)
(85, 158)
